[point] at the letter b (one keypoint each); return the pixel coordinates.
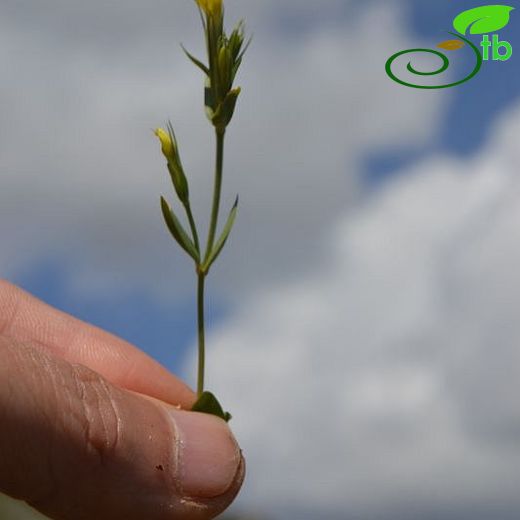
(497, 45)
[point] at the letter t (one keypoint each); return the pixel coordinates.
(485, 44)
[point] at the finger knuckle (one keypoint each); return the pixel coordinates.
(98, 414)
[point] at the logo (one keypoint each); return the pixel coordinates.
(482, 21)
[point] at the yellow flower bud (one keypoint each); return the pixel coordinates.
(210, 7)
(167, 145)
(169, 150)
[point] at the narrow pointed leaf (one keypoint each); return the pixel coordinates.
(235, 68)
(483, 20)
(177, 231)
(195, 61)
(208, 403)
(224, 236)
(246, 46)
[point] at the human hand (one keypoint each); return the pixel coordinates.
(90, 427)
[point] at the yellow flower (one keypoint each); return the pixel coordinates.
(210, 7)
(167, 146)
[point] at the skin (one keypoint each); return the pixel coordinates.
(94, 428)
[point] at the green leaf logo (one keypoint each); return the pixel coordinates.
(483, 20)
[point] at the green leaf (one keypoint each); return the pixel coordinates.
(197, 62)
(177, 231)
(208, 403)
(483, 20)
(221, 242)
(235, 68)
(246, 46)
(226, 109)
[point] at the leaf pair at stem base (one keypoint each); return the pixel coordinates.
(208, 403)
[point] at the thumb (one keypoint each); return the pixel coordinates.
(76, 447)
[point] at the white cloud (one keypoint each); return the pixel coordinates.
(387, 381)
(81, 172)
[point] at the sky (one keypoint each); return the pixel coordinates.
(362, 318)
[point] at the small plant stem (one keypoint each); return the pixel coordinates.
(220, 133)
(211, 239)
(192, 226)
(200, 317)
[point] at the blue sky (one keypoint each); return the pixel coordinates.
(374, 253)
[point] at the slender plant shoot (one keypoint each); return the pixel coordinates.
(224, 57)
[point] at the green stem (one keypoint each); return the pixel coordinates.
(211, 239)
(220, 133)
(193, 227)
(200, 316)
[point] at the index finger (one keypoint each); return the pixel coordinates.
(25, 318)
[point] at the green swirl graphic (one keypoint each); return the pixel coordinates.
(440, 70)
